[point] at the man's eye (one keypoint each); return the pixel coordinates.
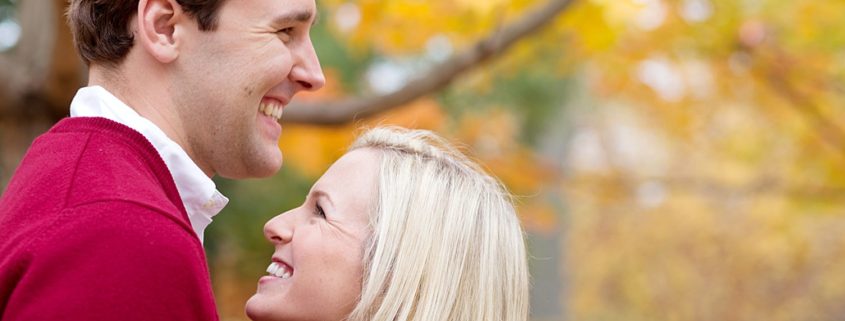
(288, 30)
(285, 33)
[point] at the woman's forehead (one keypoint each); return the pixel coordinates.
(352, 180)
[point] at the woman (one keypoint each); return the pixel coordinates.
(402, 227)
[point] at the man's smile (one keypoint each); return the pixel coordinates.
(271, 107)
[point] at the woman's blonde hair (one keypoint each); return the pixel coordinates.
(446, 244)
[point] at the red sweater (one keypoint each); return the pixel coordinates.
(92, 228)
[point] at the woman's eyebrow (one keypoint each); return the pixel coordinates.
(321, 193)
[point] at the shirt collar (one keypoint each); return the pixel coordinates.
(198, 192)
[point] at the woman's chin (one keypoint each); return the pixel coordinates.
(258, 308)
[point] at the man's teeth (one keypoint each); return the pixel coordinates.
(279, 270)
(272, 109)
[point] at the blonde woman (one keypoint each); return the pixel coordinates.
(402, 227)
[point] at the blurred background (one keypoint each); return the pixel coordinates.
(672, 159)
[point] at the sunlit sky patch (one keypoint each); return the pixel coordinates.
(10, 33)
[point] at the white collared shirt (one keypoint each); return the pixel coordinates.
(198, 192)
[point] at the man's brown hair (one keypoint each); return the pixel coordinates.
(101, 27)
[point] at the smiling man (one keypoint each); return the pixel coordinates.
(104, 218)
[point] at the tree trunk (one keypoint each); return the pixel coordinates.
(38, 80)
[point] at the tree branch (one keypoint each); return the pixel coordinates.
(715, 189)
(438, 76)
(828, 131)
(775, 71)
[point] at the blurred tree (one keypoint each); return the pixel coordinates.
(708, 183)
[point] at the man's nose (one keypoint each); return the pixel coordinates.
(307, 72)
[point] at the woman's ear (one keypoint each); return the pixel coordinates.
(157, 24)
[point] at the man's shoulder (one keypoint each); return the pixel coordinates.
(91, 141)
(115, 168)
(85, 160)
(101, 141)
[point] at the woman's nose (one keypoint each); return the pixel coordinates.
(279, 229)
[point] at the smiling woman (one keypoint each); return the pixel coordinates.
(402, 227)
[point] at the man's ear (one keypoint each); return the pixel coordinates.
(157, 23)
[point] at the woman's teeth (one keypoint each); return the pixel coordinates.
(279, 270)
(271, 108)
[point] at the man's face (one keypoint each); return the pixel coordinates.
(226, 82)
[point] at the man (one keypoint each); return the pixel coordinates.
(104, 218)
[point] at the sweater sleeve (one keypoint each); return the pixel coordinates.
(115, 261)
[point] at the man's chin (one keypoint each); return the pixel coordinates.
(262, 168)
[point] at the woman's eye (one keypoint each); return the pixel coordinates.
(318, 210)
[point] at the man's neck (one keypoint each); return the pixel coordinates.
(145, 91)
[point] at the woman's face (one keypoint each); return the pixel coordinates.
(316, 268)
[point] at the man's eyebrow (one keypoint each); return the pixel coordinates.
(296, 16)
